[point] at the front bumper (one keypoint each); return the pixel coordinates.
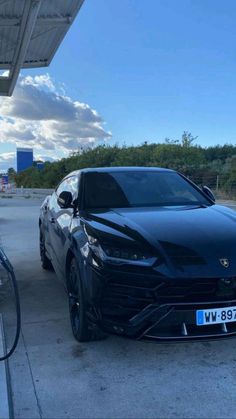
(150, 307)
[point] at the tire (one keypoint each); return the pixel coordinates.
(46, 263)
(82, 330)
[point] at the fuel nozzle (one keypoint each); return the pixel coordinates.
(5, 268)
(7, 274)
(4, 262)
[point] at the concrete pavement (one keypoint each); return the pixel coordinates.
(5, 388)
(53, 376)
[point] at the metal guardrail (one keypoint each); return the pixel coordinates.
(33, 191)
(222, 185)
(27, 191)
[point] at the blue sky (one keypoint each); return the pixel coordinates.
(153, 68)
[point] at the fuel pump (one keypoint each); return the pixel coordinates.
(7, 274)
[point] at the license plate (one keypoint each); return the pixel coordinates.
(216, 316)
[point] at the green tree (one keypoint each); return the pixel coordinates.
(187, 139)
(11, 174)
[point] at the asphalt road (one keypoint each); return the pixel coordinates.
(53, 376)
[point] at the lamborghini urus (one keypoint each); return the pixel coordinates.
(143, 252)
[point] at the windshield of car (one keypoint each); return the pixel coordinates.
(124, 189)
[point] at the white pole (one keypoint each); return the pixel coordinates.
(217, 183)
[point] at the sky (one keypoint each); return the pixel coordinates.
(129, 71)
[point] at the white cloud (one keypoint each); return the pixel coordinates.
(42, 80)
(7, 156)
(40, 116)
(44, 158)
(7, 160)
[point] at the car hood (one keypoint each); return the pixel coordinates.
(192, 240)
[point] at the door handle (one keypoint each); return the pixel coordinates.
(52, 220)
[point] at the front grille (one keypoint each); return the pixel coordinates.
(195, 290)
(124, 296)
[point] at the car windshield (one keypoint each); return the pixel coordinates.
(124, 189)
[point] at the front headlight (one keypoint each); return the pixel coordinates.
(116, 254)
(125, 253)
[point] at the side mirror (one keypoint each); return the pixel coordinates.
(207, 191)
(65, 200)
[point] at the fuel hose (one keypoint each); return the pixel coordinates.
(5, 263)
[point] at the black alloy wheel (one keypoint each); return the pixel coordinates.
(82, 330)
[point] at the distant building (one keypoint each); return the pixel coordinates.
(4, 182)
(39, 164)
(24, 158)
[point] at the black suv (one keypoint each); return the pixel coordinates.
(143, 252)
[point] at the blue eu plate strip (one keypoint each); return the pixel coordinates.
(200, 317)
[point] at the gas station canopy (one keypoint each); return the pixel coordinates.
(30, 33)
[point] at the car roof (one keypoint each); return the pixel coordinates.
(119, 169)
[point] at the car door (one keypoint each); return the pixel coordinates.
(60, 220)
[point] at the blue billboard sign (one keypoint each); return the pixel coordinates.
(5, 180)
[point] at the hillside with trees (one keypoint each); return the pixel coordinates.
(214, 166)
